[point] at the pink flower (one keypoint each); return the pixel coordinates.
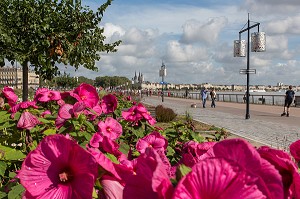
(133, 114)
(192, 152)
(105, 144)
(87, 94)
(153, 140)
(46, 95)
(68, 111)
(46, 112)
(137, 113)
(58, 168)
(112, 188)
(150, 179)
(109, 103)
(295, 150)
(240, 153)
(10, 95)
(27, 121)
(110, 128)
(22, 106)
(218, 178)
(287, 169)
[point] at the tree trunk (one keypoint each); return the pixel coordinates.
(25, 81)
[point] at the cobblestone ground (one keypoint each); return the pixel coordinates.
(265, 125)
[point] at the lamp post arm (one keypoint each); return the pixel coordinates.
(250, 27)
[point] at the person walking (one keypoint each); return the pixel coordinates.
(289, 98)
(213, 96)
(203, 96)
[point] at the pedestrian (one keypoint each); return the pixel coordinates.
(203, 96)
(289, 98)
(213, 96)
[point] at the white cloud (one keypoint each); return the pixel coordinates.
(195, 31)
(177, 52)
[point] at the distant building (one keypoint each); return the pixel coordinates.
(13, 77)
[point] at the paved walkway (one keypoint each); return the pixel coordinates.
(265, 125)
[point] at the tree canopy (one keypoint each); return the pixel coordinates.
(114, 81)
(46, 33)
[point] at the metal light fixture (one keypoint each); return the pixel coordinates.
(258, 42)
(239, 48)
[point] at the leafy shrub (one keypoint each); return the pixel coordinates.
(164, 114)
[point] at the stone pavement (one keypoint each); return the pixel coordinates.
(265, 125)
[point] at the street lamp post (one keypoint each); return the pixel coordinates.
(258, 42)
(162, 74)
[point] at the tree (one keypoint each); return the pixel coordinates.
(82, 79)
(114, 81)
(64, 81)
(46, 33)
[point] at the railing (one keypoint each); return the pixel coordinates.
(255, 97)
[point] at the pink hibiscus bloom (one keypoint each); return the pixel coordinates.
(58, 168)
(134, 114)
(68, 111)
(111, 187)
(295, 150)
(218, 178)
(287, 169)
(150, 179)
(109, 103)
(10, 95)
(192, 152)
(110, 128)
(87, 94)
(105, 145)
(241, 153)
(153, 140)
(22, 105)
(27, 121)
(46, 95)
(137, 113)
(46, 112)
(94, 112)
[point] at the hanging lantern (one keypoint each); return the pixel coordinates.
(258, 42)
(239, 48)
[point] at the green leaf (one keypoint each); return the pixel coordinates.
(44, 121)
(3, 167)
(124, 148)
(16, 192)
(11, 154)
(49, 132)
(181, 171)
(197, 137)
(170, 151)
(94, 195)
(87, 135)
(2, 195)
(12, 174)
(112, 158)
(89, 125)
(138, 133)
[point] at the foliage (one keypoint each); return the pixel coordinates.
(63, 81)
(48, 33)
(164, 114)
(114, 81)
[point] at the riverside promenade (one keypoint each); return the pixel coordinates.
(265, 125)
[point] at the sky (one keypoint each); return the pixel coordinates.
(194, 39)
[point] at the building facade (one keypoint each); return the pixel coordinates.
(13, 77)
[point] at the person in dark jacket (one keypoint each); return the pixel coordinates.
(289, 98)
